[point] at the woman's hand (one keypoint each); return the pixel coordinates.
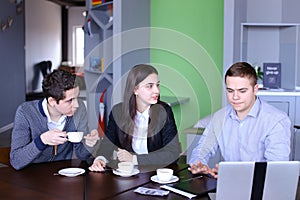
(97, 166)
(124, 156)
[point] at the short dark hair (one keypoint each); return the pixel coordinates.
(56, 83)
(242, 69)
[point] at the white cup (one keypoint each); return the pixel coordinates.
(125, 167)
(164, 174)
(75, 136)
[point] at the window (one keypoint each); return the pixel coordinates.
(78, 46)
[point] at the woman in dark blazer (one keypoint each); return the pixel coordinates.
(142, 129)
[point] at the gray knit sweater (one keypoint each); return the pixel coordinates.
(26, 144)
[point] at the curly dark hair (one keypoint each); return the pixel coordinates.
(56, 83)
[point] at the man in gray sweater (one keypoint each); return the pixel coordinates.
(41, 126)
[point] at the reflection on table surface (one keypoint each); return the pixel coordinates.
(39, 182)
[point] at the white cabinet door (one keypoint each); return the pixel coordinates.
(285, 103)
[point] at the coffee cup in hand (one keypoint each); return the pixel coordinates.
(75, 136)
(164, 174)
(125, 167)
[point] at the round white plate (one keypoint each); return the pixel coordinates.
(119, 173)
(71, 172)
(155, 179)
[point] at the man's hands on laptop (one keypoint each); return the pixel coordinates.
(204, 169)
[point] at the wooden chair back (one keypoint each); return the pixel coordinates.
(4, 155)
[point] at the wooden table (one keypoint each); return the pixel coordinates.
(38, 182)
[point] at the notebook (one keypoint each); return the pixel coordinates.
(274, 180)
(193, 187)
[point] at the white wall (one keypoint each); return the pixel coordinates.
(42, 36)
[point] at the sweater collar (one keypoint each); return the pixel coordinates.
(40, 104)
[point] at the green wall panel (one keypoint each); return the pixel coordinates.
(187, 49)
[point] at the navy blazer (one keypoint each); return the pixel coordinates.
(162, 141)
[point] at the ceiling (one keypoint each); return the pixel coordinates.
(69, 2)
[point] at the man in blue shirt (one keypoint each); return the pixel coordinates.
(248, 129)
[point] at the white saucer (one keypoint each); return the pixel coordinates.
(71, 172)
(119, 173)
(155, 179)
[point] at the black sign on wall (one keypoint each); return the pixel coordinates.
(272, 75)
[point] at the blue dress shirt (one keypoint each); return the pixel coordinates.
(263, 135)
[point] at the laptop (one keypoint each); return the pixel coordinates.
(275, 180)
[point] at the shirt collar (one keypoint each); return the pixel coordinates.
(255, 108)
(253, 111)
(45, 109)
(144, 114)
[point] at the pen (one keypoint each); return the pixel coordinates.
(192, 178)
(55, 150)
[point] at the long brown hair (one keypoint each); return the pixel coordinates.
(136, 75)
